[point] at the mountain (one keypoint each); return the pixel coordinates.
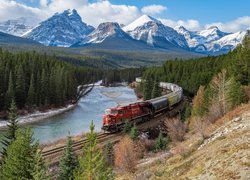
(16, 27)
(10, 39)
(154, 33)
(212, 40)
(62, 29)
(109, 35)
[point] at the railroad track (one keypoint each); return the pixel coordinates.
(52, 156)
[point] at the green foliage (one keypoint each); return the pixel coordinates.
(160, 142)
(20, 160)
(134, 133)
(11, 130)
(156, 91)
(91, 163)
(39, 172)
(127, 127)
(68, 163)
(193, 73)
(37, 80)
(147, 87)
(108, 154)
(186, 113)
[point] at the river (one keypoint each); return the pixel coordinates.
(77, 120)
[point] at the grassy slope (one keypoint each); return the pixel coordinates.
(225, 155)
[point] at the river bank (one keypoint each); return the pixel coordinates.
(76, 120)
(39, 116)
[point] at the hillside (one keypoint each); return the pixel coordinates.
(223, 155)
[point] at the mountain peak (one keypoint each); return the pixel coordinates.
(140, 22)
(213, 27)
(62, 29)
(70, 12)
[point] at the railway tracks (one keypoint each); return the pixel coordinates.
(103, 138)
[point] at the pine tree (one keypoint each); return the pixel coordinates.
(12, 129)
(31, 93)
(127, 127)
(147, 88)
(91, 163)
(19, 162)
(109, 154)
(134, 134)
(156, 91)
(160, 142)
(68, 163)
(39, 172)
(236, 93)
(10, 94)
(20, 87)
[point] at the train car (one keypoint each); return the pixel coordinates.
(115, 118)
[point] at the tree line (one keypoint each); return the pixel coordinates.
(190, 74)
(35, 80)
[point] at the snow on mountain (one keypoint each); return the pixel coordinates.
(62, 29)
(211, 40)
(154, 33)
(103, 31)
(227, 42)
(109, 35)
(17, 27)
(139, 22)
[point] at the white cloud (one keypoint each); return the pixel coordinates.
(239, 24)
(190, 24)
(103, 11)
(13, 10)
(43, 3)
(153, 9)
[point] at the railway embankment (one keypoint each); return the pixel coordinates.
(224, 154)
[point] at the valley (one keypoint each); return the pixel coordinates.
(127, 90)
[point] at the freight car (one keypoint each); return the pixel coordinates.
(115, 118)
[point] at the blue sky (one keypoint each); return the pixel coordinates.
(229, 15)
(206, 11)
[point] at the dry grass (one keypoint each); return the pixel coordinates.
(227, 157)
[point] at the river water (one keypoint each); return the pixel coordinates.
(76, 121)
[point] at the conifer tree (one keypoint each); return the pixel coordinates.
(12, 129)
(147, 88)
(134, 134)
(20, 87)
(39, 172)
(160, 142)
(68, 163)
(91, 163)
(236, 93)
(156, 91)
(19, 161)
(109, 154)
(31, 93)
(10, 94)
(127, 127)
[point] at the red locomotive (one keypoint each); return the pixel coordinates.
(115, 118)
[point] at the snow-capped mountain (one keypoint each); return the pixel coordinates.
(62, 29)
(211, 40)
(109, 35)
(16, 27)
(154, 33)
(103, 31)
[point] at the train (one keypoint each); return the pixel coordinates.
(115, 118)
